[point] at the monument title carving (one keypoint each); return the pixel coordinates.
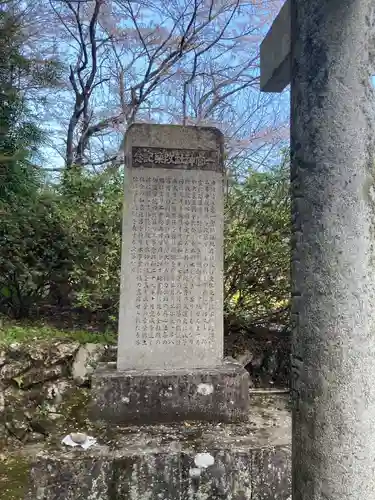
(187, 159)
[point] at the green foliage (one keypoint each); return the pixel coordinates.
(257, 239)
(14, 332)
(35, 251)
(63, 248)
(91, 206)
(33, 240)
(20, 134)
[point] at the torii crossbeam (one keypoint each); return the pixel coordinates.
(275, 62)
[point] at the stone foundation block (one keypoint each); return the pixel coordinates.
(218, 394)
(235, 475)
(195, 461)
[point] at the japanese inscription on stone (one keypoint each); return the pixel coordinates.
(176, 158)
(174, 257)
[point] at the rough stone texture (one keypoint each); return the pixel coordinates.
(35, 382)
(71, 478)
(171, 306)
(36, 375)
(27, 398)
(250, 462)
(236, 475)
(85, 361)
(12, 370)
(2, 357)
(151, 396)
(275, 50)
(333, 273)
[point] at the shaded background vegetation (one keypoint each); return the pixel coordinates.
(60, 249)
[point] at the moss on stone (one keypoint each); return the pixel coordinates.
(12, 331)
(14, 472)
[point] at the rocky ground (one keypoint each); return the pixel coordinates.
(38, 379)
(269, 421)
(45, 388)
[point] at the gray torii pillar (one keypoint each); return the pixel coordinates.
(323, 48)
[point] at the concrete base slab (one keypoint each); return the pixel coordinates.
(197, 461)
(219, 394)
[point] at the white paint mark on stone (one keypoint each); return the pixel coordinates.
(372, 192)
(205, 389)
(79, 439)
(195, 472)
(204, 460)
(166, 393)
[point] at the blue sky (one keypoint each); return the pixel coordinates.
(281, 102)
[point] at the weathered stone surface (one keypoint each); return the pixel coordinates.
(171, 305)
(2, 357)
(246, 462)
(275, 53)
(31, 364)
(165, 476)
(333, 271)
(55, 391)
(13, 369)
(38, 352)
(85, 361)
(17, 427)
(38, 375)
(48, 351)
(271, 468)
(15, 350)
(2, 398)
(22, 415)
(86, 478)
(36, 389)
(62, 350)
(150, 396)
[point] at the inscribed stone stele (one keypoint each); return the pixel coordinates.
(171, 307)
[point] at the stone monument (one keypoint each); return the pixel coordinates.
(326, 50)
(170, 363)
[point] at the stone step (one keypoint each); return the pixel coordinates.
(186, 461)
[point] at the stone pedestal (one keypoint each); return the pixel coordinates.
(196, 461)
(217, 394)
(237, 474)
(170, 364)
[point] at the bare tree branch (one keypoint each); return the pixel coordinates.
(183, 61)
